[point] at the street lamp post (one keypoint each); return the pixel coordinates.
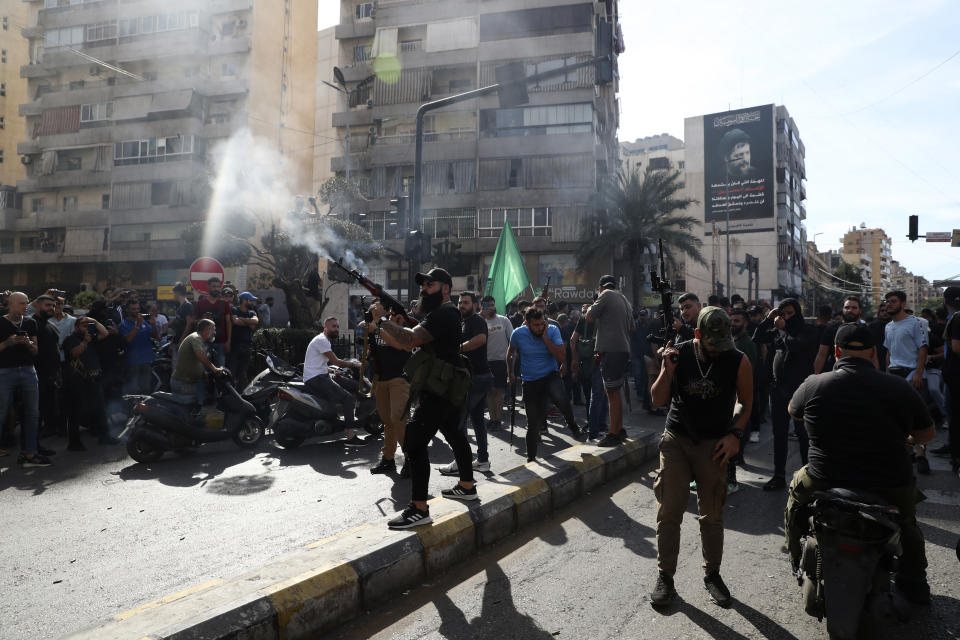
(338, 75)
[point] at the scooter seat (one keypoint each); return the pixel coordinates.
(178, 398)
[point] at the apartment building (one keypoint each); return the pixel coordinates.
(127, 104)
(327, 146)
(13, 91)
(870, 247)
(917, 288)
(745, 168)
(652, 152)
(536, 165)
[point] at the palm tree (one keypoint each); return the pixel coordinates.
(632, 215)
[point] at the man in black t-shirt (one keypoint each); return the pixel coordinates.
(48, 368)
(178, 325)
(440, 332)
(245, 322)
(18, 350)
(391, 391)
(859, 421)
(702, 433)
(474, 346)
(82, 377)
(851, 313)
(951, 369)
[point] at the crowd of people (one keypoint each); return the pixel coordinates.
(64, 372)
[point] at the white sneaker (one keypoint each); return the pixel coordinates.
(754, 436)
(450, 470)
(480, 466)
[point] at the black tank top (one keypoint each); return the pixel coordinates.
(703, 398)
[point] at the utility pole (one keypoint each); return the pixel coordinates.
(347, 93)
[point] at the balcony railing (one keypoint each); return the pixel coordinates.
(429, 136)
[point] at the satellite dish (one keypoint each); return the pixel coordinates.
(339, 76)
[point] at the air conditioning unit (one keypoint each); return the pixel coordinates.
(25, 159)
(95, 69)
(373, 13)
(241, 23)
(111, 81)
(44, 235)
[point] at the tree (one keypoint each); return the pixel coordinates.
(632, 214)
(847, 281)
(338, 193)
(287, 255)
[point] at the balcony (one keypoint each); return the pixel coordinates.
(90, 218)
(226, 46)
(62, 179)
(39, 70)
(146, 250)
(363, 29)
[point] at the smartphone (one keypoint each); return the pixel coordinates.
(92, 328)
(21, 333)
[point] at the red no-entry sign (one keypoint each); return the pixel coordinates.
(203, 269)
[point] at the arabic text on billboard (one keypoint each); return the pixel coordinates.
(738, 166)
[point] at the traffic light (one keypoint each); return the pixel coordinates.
(400, 204)
(914, 231)
(413, 245)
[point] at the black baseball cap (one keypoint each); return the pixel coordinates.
(855, 336)
(436, 274)
(952, 296)
(608, 281)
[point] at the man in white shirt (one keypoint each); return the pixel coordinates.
(316, 375)
(499, 329)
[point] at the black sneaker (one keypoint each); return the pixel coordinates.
(663, 593)
(610, 440)
(405, 470)
(37, 460)
(718, 591)
(385, 466)
(411, 517)
(775, 484)
(580, 435)
(459, 492)
(923, 465)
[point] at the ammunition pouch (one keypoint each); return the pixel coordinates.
(426, 372)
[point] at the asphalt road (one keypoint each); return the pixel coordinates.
(587, 572)
(98, 534)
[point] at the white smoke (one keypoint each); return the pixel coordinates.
(254, 180)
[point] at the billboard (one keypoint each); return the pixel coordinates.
(738, 169)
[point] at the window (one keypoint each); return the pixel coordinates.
(70, 203)
(410, 45)
(459, 86)
(36, 205)
(153, 150)
(6, 245)
(530, 121)
(96, 112)
(3, 88)
(3, 55)
(69, 163)
(29, 243)
(1, 156)
(101, 31)
(6, 23)
(76, 84)
(527, 221)
(158, 23)
(681, 165)
(3, 123)
(449, 223)
(659, 163)
(382, 225)
(364, 11)
(160, 193)
(149, 75)
(65, 37)
(228, 69)
(105, 201)
(129, 27)
(227, 28)
(550, 65)
(361, 52)
(516, 166)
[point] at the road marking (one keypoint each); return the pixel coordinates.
(168, 599)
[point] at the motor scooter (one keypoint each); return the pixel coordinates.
(165, 421)
(298, 415)
(261, 392)
(850, 551)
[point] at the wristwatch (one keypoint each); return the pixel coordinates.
(737, 433)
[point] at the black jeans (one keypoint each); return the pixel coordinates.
(239, 363)
(323, 386)
(87, 407)
(536, 396)
(781, 420)
(431, 415)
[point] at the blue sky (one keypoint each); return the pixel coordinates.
(876, 151)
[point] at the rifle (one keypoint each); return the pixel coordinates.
(661, 285)
(377, 290)
(546, 288)
(513, 409)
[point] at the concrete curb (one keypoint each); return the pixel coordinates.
(336, 579)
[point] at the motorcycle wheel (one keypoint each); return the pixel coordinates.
(289, 442)
(142, 451)
(249, 434)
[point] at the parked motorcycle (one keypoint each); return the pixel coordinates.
(165, 421)
(162, 367)
(298, 415)
(851, 549)
(261, 392)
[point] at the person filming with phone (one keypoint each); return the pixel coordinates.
(82, 378)
(136, 331)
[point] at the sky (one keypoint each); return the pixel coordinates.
(872, 87)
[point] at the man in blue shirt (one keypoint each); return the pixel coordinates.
(540, 347)
(136, 331)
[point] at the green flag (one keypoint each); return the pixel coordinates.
(508, 276)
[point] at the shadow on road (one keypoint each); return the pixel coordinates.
(770, 629)
(498, 617)
(608, 519)
(188, 470)
(712, 627)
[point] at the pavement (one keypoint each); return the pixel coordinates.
(586, 572)
(103, 537)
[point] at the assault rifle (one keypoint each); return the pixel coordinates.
(387, 300)
(661, 285)
(546, 289)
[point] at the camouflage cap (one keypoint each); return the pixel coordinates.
(714, 326)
